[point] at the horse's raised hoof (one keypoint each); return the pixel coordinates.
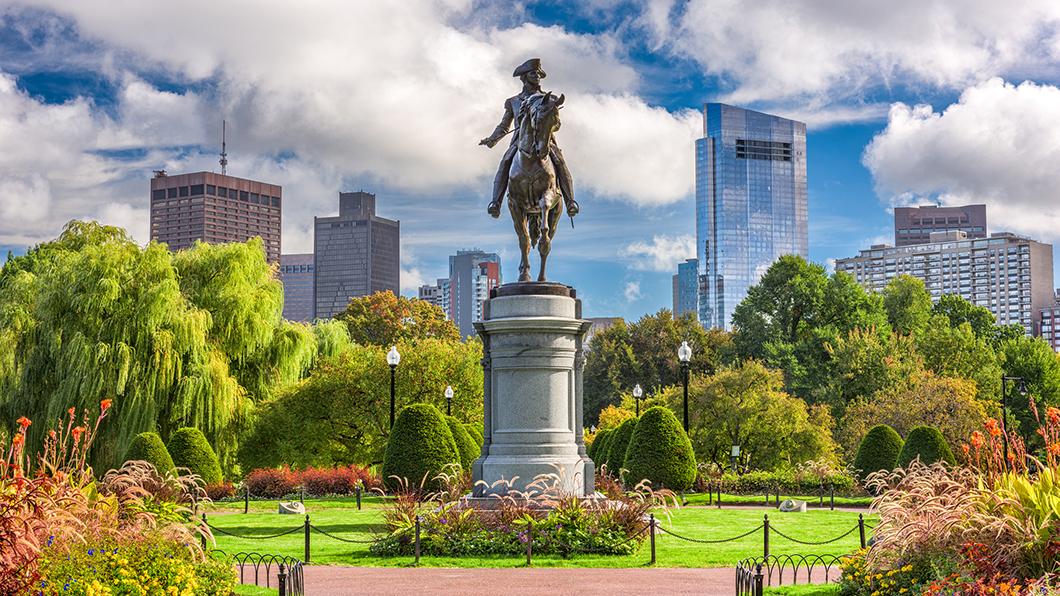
(524, 277)
(494, 209)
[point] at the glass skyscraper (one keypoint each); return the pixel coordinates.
(750, 203)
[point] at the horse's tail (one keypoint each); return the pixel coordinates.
(533, 221)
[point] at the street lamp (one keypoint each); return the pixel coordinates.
(393, 358)
(1021, 388)
(448, 400)
(735, 456)
(684, 354)
(637, 392)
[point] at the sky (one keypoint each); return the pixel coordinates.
(906, 102)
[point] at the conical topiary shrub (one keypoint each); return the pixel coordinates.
(465, 445)
(476, 433)
(878, 450)
(660, 452)
(616, 448)
(598, 450)
(420, 447)
(149, 447)
(189, 449)
(927, 443)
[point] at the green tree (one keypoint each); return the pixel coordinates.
(958, 352)
(746, 405)
(927, 444)
(383, 319)
(420, 448)
(189, 449)
(341, 412)
(149, 447)
(908, 304)
(617, 445)
(878, 450)
(465, 445)
(1035, 361)
(660, 452)
(958, 311)
(863, 362)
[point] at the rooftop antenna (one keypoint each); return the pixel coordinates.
(224, 153)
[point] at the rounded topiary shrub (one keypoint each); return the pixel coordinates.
(660, 452)
(927, 443)
(189, 449)
(420, 447)
(878, 450)
(598, 450)
(465, 445)
(616, 448)
(149, 447)
(476, 433)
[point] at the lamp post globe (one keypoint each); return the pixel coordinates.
(448, 400)
(393, 358)
(684, 355)
(637, 393)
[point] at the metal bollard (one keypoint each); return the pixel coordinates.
(765, 536)
(651, 533)
(358, 491)
(417, 540)
(719, 496)
(281, 580)
(306, 559)
(203, 534)
(529, 545)
(758, 580)
(861, 529)
(832, 497)
(246, 499)
(303, 495)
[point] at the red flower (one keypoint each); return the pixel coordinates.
(70, 411)
(977, 439)
(1053, 414)
(992, 427)
(1054, 449)
(105, 405)
(24, 422)
(77, 432)
(18, 439)
(965, 448)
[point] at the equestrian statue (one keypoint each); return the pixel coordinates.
(532, 170)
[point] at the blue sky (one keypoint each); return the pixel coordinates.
(905, 103)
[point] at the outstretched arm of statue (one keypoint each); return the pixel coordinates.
(501, 130)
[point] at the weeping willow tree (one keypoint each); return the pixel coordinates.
(192, 339)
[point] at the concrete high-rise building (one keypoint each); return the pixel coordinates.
(750, 203)
(1010, 275)
(686, 288)
(914, 225)
(1050, 326)
(429, 293)
(215, 208)
(296, 273)
(356, 253)
(472, 274)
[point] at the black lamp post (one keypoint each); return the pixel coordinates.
(637, 392)
(684, 354)
(1021, 388)
(393, 358)
(448, 400)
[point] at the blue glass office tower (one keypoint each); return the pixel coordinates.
(750, 203)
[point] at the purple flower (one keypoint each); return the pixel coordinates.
(442, 521)
(50, 540)
(66, 586)
(91, 551)
(115, 550)
(523, 537)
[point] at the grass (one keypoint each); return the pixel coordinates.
(252, 590)
(814, 501)
(338, 517)
(803, 590)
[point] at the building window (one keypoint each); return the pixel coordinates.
(171, 193)
(183, 191)
(211, 189)
(158, 194)
(197, 189)
(244, 195)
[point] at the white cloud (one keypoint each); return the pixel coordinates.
(997, 145)
(797, 49)
(663, 253)
(411, 279)
(632, 291)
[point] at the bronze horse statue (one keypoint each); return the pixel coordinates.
(534, 199)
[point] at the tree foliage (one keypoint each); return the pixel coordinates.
(927, 444)
(957, 351)
(149, 447)
(189, 449)
(420, 448)
(908, 304)
(878, 450)
(660, 452)
(1035, 361)
(383, 319)
(465, 445)
(617, 445)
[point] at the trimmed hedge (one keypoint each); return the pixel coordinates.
(616, 448)
(661, 452)
(758, 482)
(464, 443)
(477, 434)
(189, 449)
(420, 447)
(598, 450)
(879, 450)
(927, 443)
(149, 447)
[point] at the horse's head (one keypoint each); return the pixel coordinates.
(540, 122)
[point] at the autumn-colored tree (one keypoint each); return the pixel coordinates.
(383, 319)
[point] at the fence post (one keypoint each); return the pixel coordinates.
(651, 533)
(306, 538)
(765, 536)
(358, 497)
(710, 493)
(417, 540)
(719, 496)
(861, 529)
(303, 495)
(202, 535)
(832, 491)
(821, 493)
(529, 544)
(246, 499)
(778, 496)
(281, 580)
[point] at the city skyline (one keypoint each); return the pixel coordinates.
(93, 106)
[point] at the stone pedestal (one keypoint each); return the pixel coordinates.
(533, 358)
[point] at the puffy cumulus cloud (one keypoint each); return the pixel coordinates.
(411, 279)
(793, 49)
(632, 291)
(663, 253)
(997, 145)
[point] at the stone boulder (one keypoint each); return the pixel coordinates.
(789, 505)
(294, 508)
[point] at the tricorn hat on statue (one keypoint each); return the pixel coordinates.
(529, 66)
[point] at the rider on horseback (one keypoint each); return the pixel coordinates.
(531, 74)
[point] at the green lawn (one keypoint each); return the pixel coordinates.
(814, 501)
(338, 517)
(804, 590)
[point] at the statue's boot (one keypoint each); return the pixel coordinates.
(500, 184)
(566, 185)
